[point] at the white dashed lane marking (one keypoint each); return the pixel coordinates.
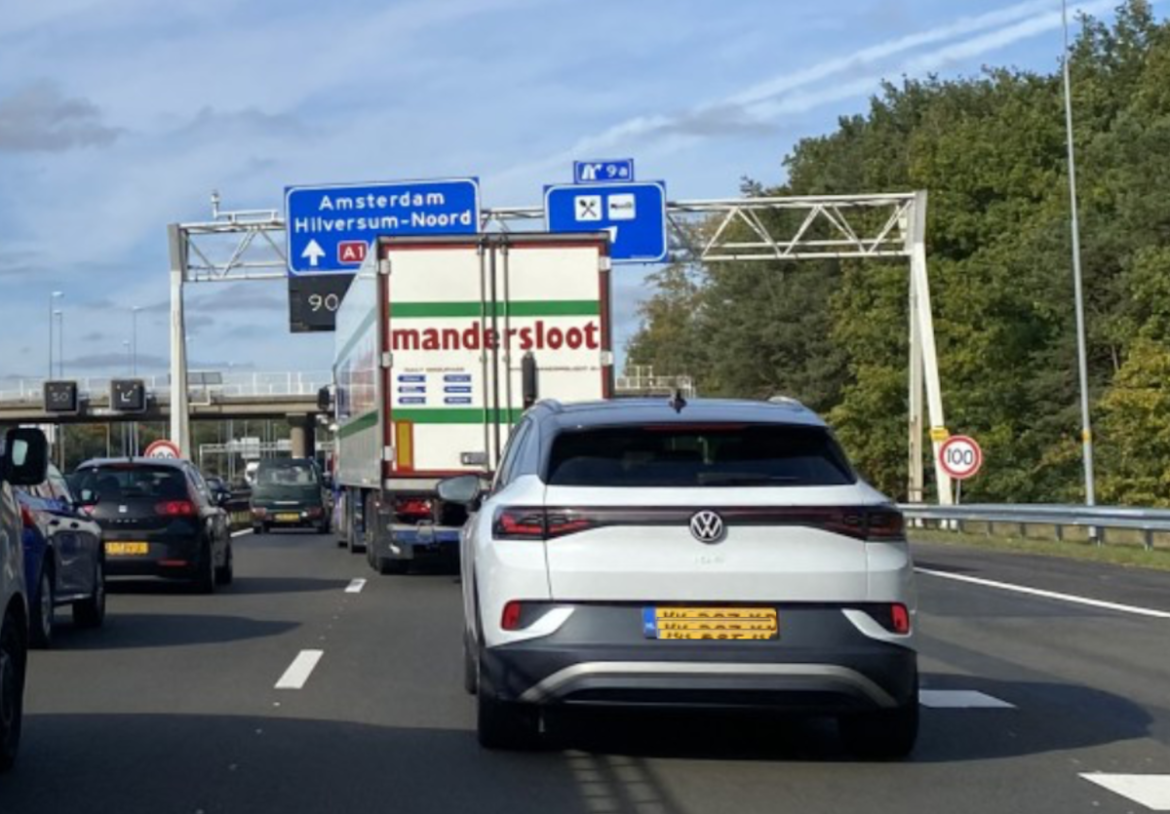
(961, 699)
(1149, 790)
(1024, 589)
(298, 672)
(241, 532)
(355, 586)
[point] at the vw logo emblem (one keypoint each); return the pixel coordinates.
(707, 526)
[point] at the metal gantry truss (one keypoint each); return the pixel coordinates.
(250, 245)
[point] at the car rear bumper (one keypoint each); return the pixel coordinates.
(166, 556)
(821, 664)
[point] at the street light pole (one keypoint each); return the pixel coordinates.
(60, 315)
(55, 295)
(134, 339)
(1082, 355)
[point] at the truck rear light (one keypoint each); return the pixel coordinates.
(510, 618)
(412, 509)
(175, 508)
(514, 523)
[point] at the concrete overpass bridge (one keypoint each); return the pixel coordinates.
(291, 396)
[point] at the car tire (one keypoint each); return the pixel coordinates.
(387, 566)
(13, 659)
(91, 612)
(226, 573)
(43, 612)
(882, 735)
(505, 724)
(205, 579)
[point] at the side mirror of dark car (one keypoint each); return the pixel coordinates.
(463, 489)
(86, 498)
(223, 498)
(26, 457)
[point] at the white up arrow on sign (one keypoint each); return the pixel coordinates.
(313, 252)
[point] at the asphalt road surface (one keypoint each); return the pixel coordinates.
(175, 706)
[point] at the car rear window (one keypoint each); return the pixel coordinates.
(286, 473)
(710, 455)
(128, 482)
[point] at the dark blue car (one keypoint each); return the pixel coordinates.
(63, 559)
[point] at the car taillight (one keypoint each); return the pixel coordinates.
(900, 618)
(26, 517)
(518, 524)
(877, 523)
(884, 523)
(313, 511)
(175, 508)
(259, 511)
(510, 618)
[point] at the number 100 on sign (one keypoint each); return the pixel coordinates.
(960, 457)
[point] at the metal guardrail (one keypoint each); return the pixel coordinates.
(1097, 520)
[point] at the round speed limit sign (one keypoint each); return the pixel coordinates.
(960, 457)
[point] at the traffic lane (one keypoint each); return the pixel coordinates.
(396, 664)
(1107, 666)
(164, 648)
(391, 658)
(1106, 582)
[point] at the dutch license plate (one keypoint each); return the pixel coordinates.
(115, 549)
(287, 517)
(727, 624)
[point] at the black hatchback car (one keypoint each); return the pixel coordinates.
(158, 519)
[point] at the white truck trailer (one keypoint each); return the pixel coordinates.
(442, 343)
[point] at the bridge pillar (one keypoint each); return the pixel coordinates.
(303, 434)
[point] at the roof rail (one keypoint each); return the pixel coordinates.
(552, 404)
(788, 400)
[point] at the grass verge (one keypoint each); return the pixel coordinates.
(1132, 556)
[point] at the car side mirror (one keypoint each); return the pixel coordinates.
(223, 498)
(86, 498)
(463, 489)
(26, 457)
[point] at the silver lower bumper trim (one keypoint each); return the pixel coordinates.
(561, 680)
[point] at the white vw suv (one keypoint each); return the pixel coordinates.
(703, 554)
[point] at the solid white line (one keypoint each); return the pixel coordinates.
(355, 586)
(299, 671)
(241, 532)
(1023, 589)
(961, 699)
(1149, 790)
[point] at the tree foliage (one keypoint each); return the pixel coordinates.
(991, 152)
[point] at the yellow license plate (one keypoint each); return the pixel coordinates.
(126, 549)
(727, 624)
(287, 517)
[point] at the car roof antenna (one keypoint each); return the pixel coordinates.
(677, 402)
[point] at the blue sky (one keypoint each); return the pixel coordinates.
(120, 116)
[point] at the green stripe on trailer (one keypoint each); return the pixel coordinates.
(356, 425)
(440, 415)
(516, 308)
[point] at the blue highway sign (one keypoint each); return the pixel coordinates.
(328, 227)
(603, 171)
(633, 214)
